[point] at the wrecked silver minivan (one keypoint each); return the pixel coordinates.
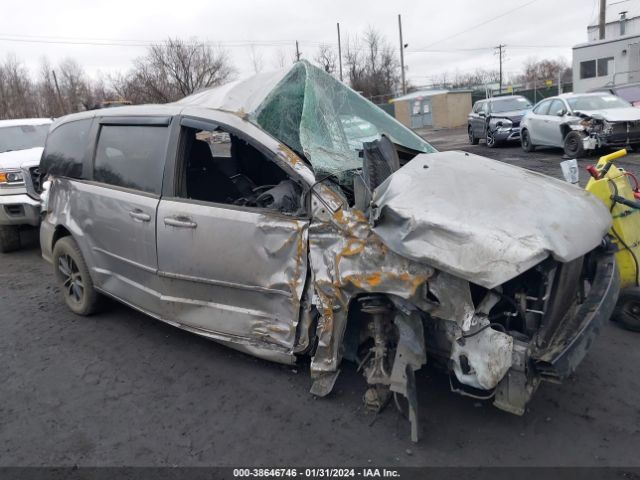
(263, 215)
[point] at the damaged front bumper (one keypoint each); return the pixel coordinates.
(554, 359)
(507, 134)
(577, 331)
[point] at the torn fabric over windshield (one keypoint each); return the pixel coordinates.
(327, 122)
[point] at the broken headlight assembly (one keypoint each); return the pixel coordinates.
(504, 125)
(11, 177)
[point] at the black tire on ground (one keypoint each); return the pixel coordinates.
(9, 238)
(73, 278)
(525, 141)
(491, 139)
(472, 138)
(573, 147)
(627, 311)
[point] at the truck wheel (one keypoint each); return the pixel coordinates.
(472, 138)
(9, 238)
(573, 146)
(627, 311)
(525, 141)
(73, 277)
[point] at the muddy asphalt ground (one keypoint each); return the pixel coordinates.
(122, 389)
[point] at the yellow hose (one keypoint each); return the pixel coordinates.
(613, 156)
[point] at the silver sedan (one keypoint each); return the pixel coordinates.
(579, 122)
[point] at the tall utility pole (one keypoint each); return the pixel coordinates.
(297, 52)
(55, 81)
(603, 18)
(404, 85)
(500, 52)
(339, 52)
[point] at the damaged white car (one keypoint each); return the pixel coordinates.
(581, 122)
(255, 214)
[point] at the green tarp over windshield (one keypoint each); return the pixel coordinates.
(327, 122)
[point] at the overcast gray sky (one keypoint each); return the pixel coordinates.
(537, 28)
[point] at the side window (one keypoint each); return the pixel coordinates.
(476, 107)
(542, 108)
(486, 108)
(65, 148)
(131, 156)
(557, 106)
(605, 66)
(219, 167)
(588, 69)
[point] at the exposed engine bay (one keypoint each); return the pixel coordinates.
(598, 132)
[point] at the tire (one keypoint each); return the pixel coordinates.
(472, 138)
(491, 139)
(525, 141)
(9, 238)
(73, 278)
(627, 311)
(573, 147)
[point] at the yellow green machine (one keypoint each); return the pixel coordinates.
(619, 191)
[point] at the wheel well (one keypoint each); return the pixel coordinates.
(59, 232)
(564, 129)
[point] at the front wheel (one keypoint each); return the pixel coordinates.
(9, 238)
(491, 139)
(73, 277)
(525, 141)
(472, 138)
(627, 311)
(573, 146)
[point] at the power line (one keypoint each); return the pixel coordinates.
(479, 24)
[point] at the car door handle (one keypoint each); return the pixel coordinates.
(138, 214)
(180, 222)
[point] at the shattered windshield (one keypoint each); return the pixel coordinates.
(597, 102)
(327, 122)
(21, 137)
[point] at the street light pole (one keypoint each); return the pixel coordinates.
(339, 52)
(404, 85)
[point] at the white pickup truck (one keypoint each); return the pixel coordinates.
(21, 145)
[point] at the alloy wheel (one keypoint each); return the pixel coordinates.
(72, 279)
(491, 141)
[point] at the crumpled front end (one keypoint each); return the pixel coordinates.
(499, 275)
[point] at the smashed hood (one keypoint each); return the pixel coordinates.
(27, 158)
(630, 114)
(483, 220)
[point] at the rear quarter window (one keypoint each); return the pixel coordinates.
(65, 149)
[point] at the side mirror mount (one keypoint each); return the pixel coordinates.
(562, 113)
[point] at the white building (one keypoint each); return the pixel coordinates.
(616, 58)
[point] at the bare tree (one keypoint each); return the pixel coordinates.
(546, 69)
(74, 86)
(174, 70)
(17, 91)
(372, 67)
(327, 58)
(257, 61)
(280, 59)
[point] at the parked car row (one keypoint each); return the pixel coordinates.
(575, 122)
